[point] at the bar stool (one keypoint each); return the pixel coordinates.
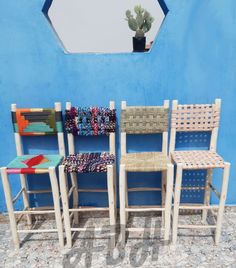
(93, 121)
(145, 120)
(34, 122)
(198, 118)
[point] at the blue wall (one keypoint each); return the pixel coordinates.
(193, 60)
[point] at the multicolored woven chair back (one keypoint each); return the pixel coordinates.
(195, 117)
(144, 120)
(36, 122)
(92, 121)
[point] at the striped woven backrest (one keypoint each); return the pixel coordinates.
(144, 120)
(92, 121)
(195, 117)
(37, 121)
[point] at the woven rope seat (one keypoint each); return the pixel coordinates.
(145, 162)
(198, 159)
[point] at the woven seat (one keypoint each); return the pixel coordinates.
(21, 164)
(198, 159)
(88, 162)
(145, 162)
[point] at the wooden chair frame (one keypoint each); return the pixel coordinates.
(71, 215)
(205, 207)
(25, 192)
(166, 189)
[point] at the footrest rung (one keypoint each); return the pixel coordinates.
(88, 209)
(78, 229)
(38, 231)
(140, 229)
(92, 190)
(198, 207)
(47, 191)
(34, 212)
(196, 226)
(143, 209)
(144, 189)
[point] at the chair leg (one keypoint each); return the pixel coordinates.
(207, 194)
(115, 190)
(178, 183)
(163, 196)
(25, 197)
(75, 196)
(56, 201)
(123, 189)
(10, 208)
(168, 200)
(126, 197)
(111, 198)
(223, 195)
(65, 205)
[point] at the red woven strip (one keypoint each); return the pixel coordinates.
(21, 170)
(34, 160)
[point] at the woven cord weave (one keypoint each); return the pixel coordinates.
(199, 117)
(144, 120)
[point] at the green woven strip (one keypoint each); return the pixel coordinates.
(14, 123)
(59, 126)
(51, 118)
(144, 120)
(38, 127)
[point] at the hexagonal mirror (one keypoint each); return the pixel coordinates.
(105, 26)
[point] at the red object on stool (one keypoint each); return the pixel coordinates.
(36, 160)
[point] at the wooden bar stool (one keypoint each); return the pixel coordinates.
(93, 121)
(198, 118)
(34, 122)
(145, 120)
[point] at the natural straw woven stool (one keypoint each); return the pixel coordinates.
(34, 122)
(93, 121)
(201, 118)
(145, 120)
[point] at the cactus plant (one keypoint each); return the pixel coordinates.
(140, 24)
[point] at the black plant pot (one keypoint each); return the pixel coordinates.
(139, 44)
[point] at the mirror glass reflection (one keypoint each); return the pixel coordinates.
(105, 26)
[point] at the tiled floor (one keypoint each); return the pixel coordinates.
(194, 248)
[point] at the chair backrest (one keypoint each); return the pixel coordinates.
(195, 118)
(37, 122)
(92, 121)
(144, 120)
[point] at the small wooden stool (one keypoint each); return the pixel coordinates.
(34, 122)
(91, 121)
(198, 118)
(145, 120)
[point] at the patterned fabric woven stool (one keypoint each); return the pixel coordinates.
(93, 121)
(145, 120)
(193, 118)
(34, 122)
(88, 162)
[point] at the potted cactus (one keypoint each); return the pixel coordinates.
(140, 24)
